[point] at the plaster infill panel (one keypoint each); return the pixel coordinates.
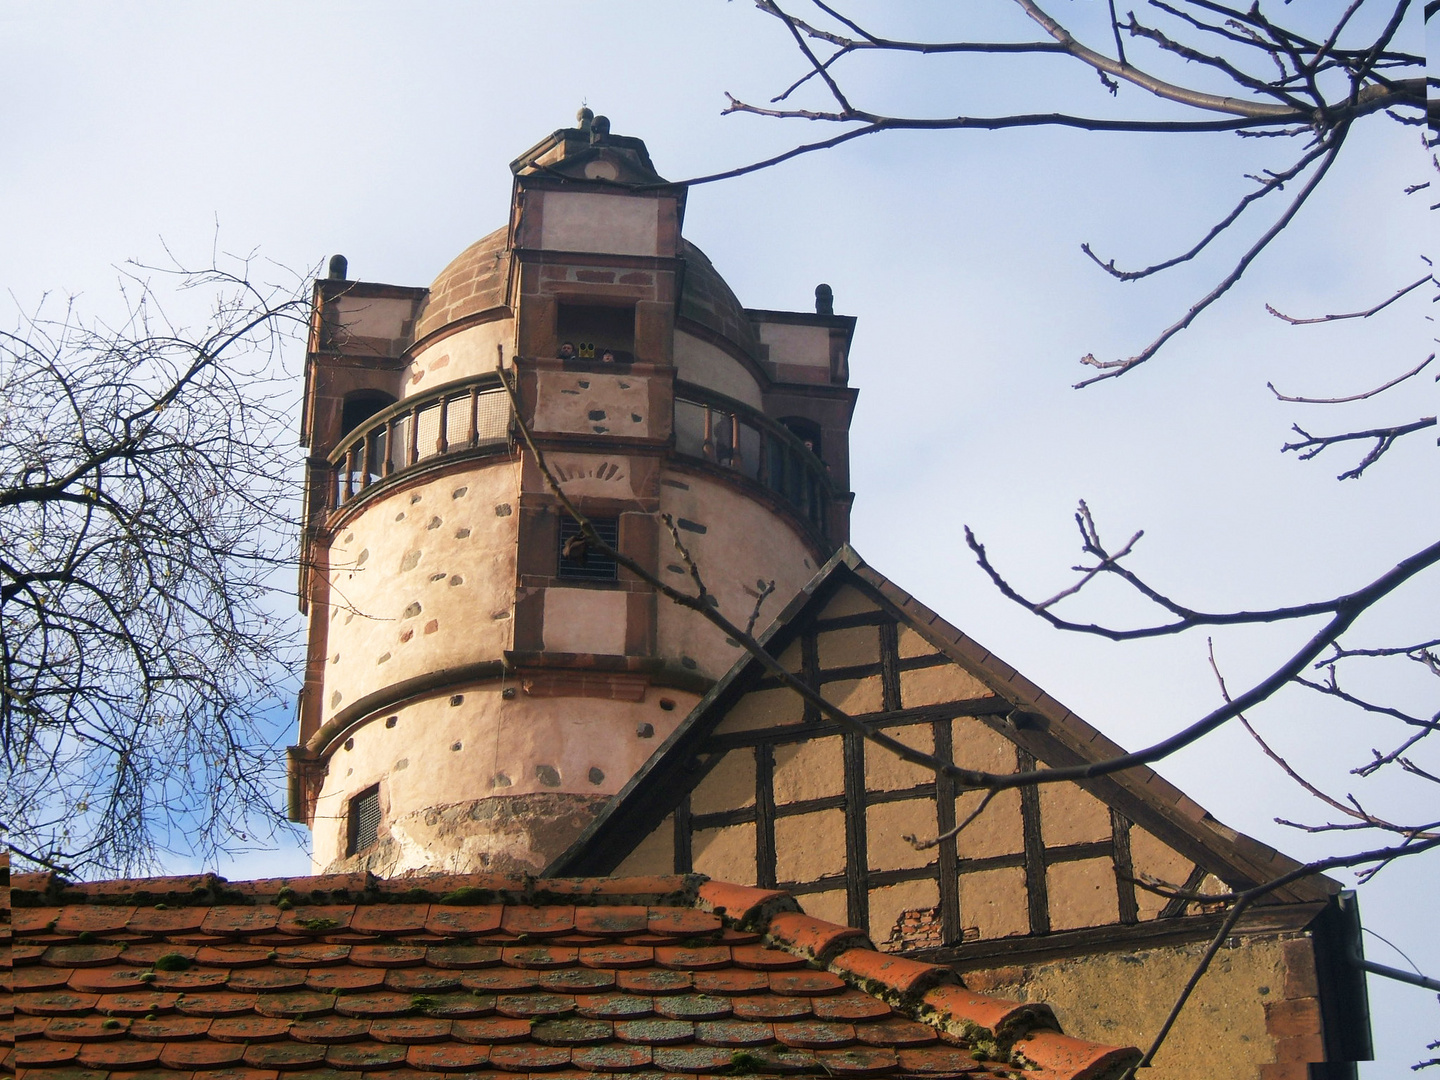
(937, 685)
(814, 769)
(468, 354)
(727, 853)
(422, 579)
(610, 224)
(441, 751)
(729, 785)
(1071, 815)
(585, 621)
(807, 346)
(735, 542)
(1152, 858)
(761, 709)
(885, 771)
(652, 856)
(703, 364)
(810, 846)
(851, 647)
(592, 403)
(993, 902)
(886, 827)
(372, 318)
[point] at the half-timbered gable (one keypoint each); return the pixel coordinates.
(757, 786)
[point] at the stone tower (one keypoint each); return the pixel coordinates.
(472, 694)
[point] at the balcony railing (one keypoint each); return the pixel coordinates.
(461, 418)
(449, 420)
(735, 436)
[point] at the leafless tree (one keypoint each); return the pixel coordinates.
(1302, 81)
(145, 506)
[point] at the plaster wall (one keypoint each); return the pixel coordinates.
(806, 346)
(593, 403)
(736, 542)
(699, 362)
(421, 579)
(585, 621)
(1123, 997)
(438, 757)
(587, 221)
(375, 318)
(463, 355)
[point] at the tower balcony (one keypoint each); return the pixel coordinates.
(471, 418)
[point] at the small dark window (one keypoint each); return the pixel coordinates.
(586, 562)
(807, 431)
(595, 329)
(360, 406)
(364, 820)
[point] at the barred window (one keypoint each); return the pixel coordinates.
(585, 562)
(364, 820)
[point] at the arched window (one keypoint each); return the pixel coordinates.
(360, 406)
(354, 411)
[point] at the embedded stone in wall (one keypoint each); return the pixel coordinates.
(512, 834)
(564, 405)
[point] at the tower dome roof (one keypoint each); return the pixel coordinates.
(474, 281)
(707, 300)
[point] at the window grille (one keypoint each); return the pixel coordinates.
(593, 565)
(364, 820)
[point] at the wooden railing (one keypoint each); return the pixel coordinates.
(734, 435)
(448, 420)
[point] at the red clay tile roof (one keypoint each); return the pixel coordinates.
(350, 977)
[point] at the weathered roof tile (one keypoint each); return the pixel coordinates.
(567, 979)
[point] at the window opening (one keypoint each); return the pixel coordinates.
(360, 407)
(807, 431)
(364, 820)
(579, 561)
(597, 329)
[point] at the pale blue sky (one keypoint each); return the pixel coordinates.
(384, 132)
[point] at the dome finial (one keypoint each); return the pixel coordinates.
(583, 118)
(824, 300)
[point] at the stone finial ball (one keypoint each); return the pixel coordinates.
(824, 300)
